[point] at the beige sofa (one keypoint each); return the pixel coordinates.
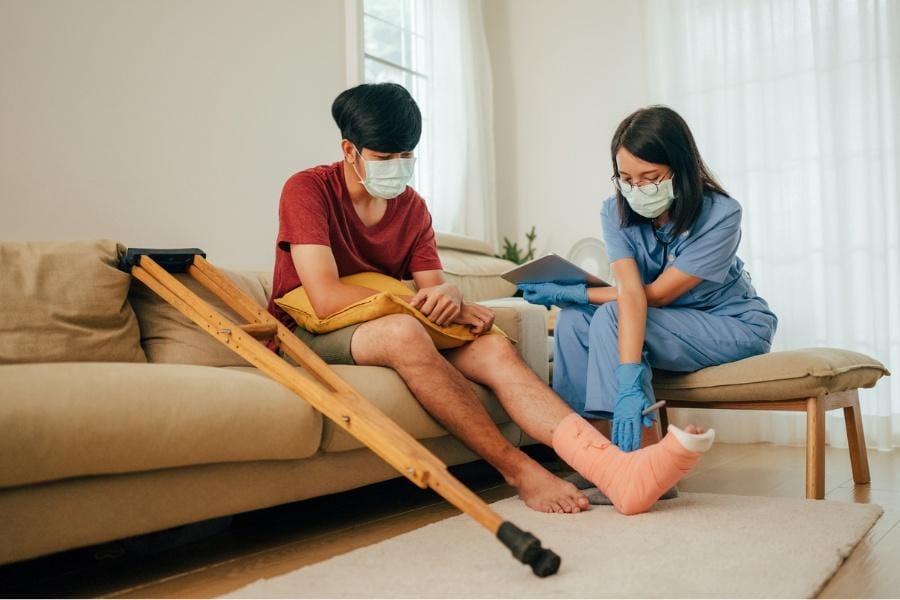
(118, 417)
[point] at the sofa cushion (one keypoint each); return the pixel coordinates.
(477, 275)
(788, 375)
(455, 241)
(65, 301)
(387, 391)
(170, 337)
(74, 419)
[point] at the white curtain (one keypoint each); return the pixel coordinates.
(796, 107)
(463, 198)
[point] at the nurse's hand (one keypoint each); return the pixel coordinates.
(631, 400)
(548, 294)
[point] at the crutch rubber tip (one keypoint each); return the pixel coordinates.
(547, 563)
(527, 549)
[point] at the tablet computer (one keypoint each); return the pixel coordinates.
(552, 268)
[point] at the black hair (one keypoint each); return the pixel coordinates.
(658, 134)
(379, 116)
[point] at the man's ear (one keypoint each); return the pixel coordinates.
(349, 151)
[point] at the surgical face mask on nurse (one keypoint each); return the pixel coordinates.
(650, 199)
(386, 178)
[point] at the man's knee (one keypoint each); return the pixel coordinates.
(495, 347)
(393, 339)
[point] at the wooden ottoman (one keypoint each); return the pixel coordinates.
(814, 380)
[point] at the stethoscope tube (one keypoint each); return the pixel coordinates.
(665, 245)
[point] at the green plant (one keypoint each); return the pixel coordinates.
(511, 250)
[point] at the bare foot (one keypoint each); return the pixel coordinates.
(545, 492)
(693, 429)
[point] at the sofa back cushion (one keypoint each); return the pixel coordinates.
(471, 266)
(65, 302)
(169, 337)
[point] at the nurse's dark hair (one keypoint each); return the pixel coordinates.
(378, 116)
(658, 134)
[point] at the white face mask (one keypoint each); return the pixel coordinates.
(386, 178)
(648, 205)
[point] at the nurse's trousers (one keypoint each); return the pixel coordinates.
(586, 350)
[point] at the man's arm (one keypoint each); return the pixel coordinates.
(318, 271)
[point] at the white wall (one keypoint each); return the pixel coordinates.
(566, 73)
(163, 123)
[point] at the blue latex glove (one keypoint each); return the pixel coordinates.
(548, 294)
(630, 402)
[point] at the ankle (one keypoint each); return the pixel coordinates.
(516, 466)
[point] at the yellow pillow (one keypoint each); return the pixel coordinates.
(387, 302)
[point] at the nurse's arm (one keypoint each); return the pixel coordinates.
(670, 286)
(318, 271)
(632, 302)
(662, 292)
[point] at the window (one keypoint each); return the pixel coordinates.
(396, 48)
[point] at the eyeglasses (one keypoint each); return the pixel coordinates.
(648, 189)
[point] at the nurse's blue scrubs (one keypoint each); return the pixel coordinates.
(720, 320)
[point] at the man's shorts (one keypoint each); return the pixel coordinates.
(332, 347)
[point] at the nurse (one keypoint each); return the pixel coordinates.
(682, 299)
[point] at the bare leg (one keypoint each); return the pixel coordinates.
(400, 342)
(491, 360)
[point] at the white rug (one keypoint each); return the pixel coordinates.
(699, 545)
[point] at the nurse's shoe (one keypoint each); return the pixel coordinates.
(598, 498)
(633, 481)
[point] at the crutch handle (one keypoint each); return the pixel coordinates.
(172, 260)
(527, 549)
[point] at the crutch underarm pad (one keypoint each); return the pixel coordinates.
(173, 261)
(527, 549)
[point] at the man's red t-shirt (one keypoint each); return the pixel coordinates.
(315, 208)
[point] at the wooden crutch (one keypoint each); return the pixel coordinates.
(328, 393)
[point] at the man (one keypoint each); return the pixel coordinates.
(359, 215)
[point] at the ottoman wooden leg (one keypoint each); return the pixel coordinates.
(856, 439)
(815, 449)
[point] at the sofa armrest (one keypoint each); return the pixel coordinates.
(527, 325)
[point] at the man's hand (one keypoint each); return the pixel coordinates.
(441, 303)
(480, 318)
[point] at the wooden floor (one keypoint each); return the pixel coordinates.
(274, 541)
